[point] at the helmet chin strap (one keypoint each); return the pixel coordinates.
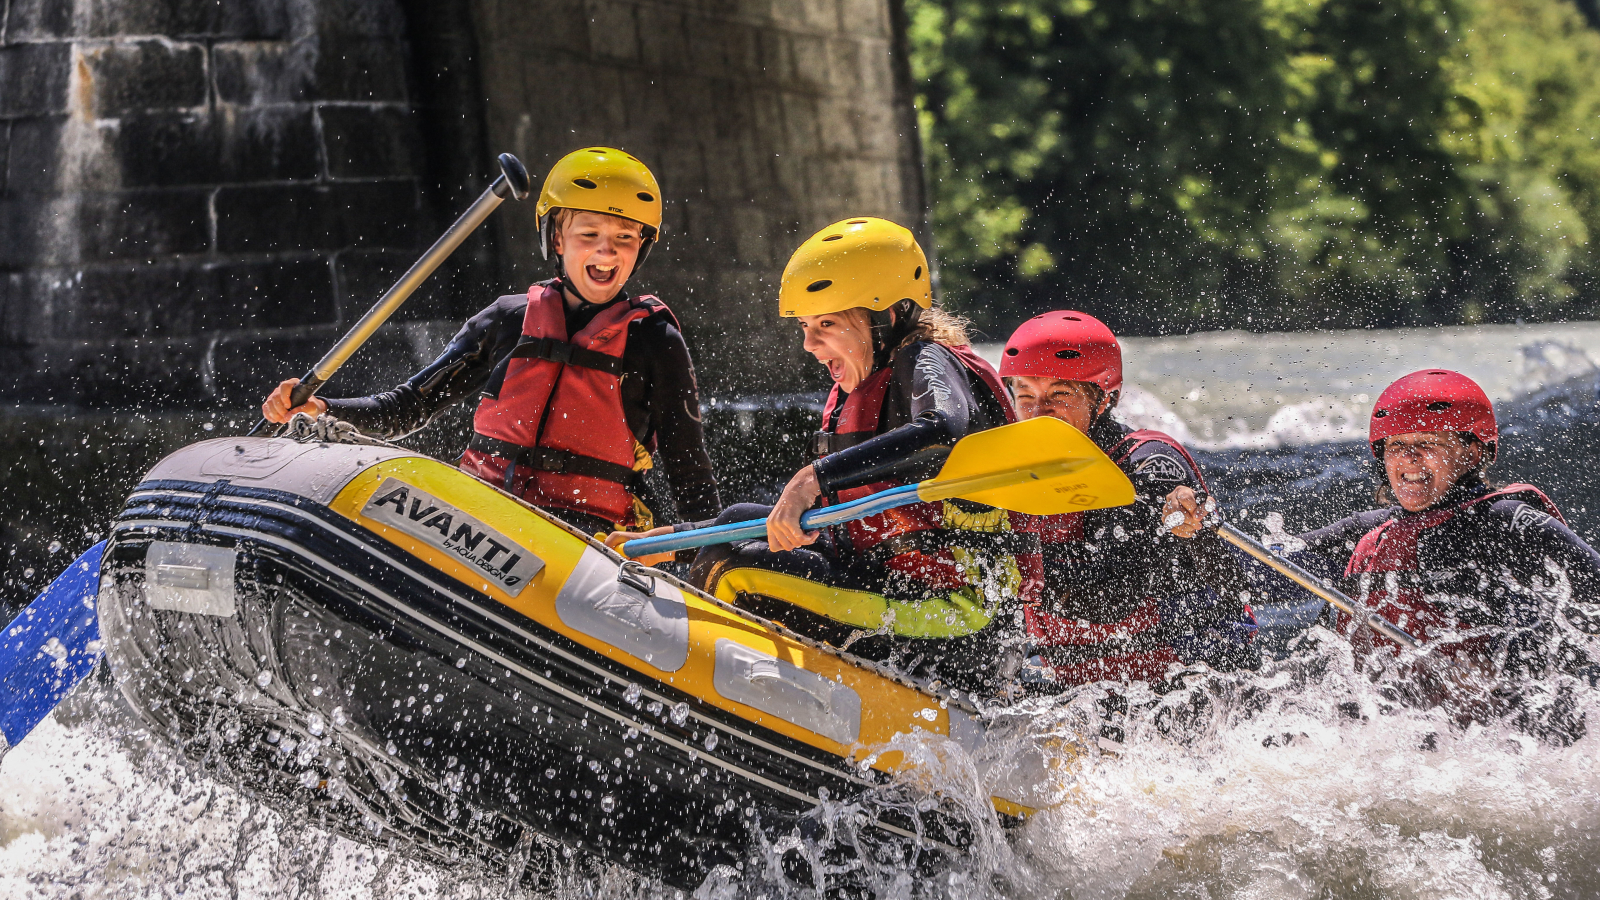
(547, 246)
(1101, 414)
(567, 284)
(567, 281)
(890, 327)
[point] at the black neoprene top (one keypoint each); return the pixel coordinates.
(1126, 557)
(932, 402)
(660, 397)
(1500, 563)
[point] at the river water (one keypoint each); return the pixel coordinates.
(1304, 780)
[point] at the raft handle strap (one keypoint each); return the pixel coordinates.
(634, 575)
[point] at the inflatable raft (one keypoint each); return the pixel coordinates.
(426, 659)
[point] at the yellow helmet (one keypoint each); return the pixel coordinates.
(859, 262)
(602, 180)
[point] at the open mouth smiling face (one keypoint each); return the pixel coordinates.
(1424, 466)
(599, 252)
(842, 342)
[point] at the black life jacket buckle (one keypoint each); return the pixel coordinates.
(555, 351)
(821, 444)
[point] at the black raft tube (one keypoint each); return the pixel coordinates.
(513, 182)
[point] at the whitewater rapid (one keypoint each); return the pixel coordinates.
(1302, 781)
(1227, 390)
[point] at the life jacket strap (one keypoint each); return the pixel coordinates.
(561, 462)
(566, 354)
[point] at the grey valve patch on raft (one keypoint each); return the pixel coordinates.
(190, 578)
(746, 675)
(596, 602)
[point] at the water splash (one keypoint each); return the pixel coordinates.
(91, 807)
(1304, 780)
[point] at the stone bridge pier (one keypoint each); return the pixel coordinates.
(197, 196)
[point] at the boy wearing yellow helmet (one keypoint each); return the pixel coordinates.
(931, 587)
(578, 380)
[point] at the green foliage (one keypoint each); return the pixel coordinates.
(1173, 164)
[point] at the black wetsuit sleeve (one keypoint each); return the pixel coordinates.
(658, 355)
(1537, 541)
(1125, 557)
(460, 373)
(943, 410)
(1329, 548)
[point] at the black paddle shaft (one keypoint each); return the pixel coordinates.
(513, 182)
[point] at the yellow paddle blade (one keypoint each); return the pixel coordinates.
(1042, 467)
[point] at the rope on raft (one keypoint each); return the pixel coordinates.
(326, 429)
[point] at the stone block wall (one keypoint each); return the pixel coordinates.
(198, 196)
(193, 185)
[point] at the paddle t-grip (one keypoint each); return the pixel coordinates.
(513, 178)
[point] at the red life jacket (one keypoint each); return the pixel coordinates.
(555, 433)
(1392, 547)
(1151, 658)
(859, 418)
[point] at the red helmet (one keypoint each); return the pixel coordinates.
(1433, 400)
(1072, 346)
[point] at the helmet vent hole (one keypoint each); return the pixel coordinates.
(822, 285)
(917, 275)
(1011, 351)
(585, 183)
(1439, 406)
(856, 222)
(1067, 354)
(1379, 413)
(833, 237)
(1071, 319)
(648, 198)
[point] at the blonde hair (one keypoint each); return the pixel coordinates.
(941, 327)
(934, 325)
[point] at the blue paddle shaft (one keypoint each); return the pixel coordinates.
(49, 647)
(738, 531)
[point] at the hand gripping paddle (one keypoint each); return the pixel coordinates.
(49, 647)
(1041, 467)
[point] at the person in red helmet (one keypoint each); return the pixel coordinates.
(1129, 592)
(1491, 577)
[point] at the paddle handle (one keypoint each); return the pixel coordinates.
(869, 505)
(513, 182)
(1338, 599)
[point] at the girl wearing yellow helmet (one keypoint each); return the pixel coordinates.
(932, 587)
(578, 380)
